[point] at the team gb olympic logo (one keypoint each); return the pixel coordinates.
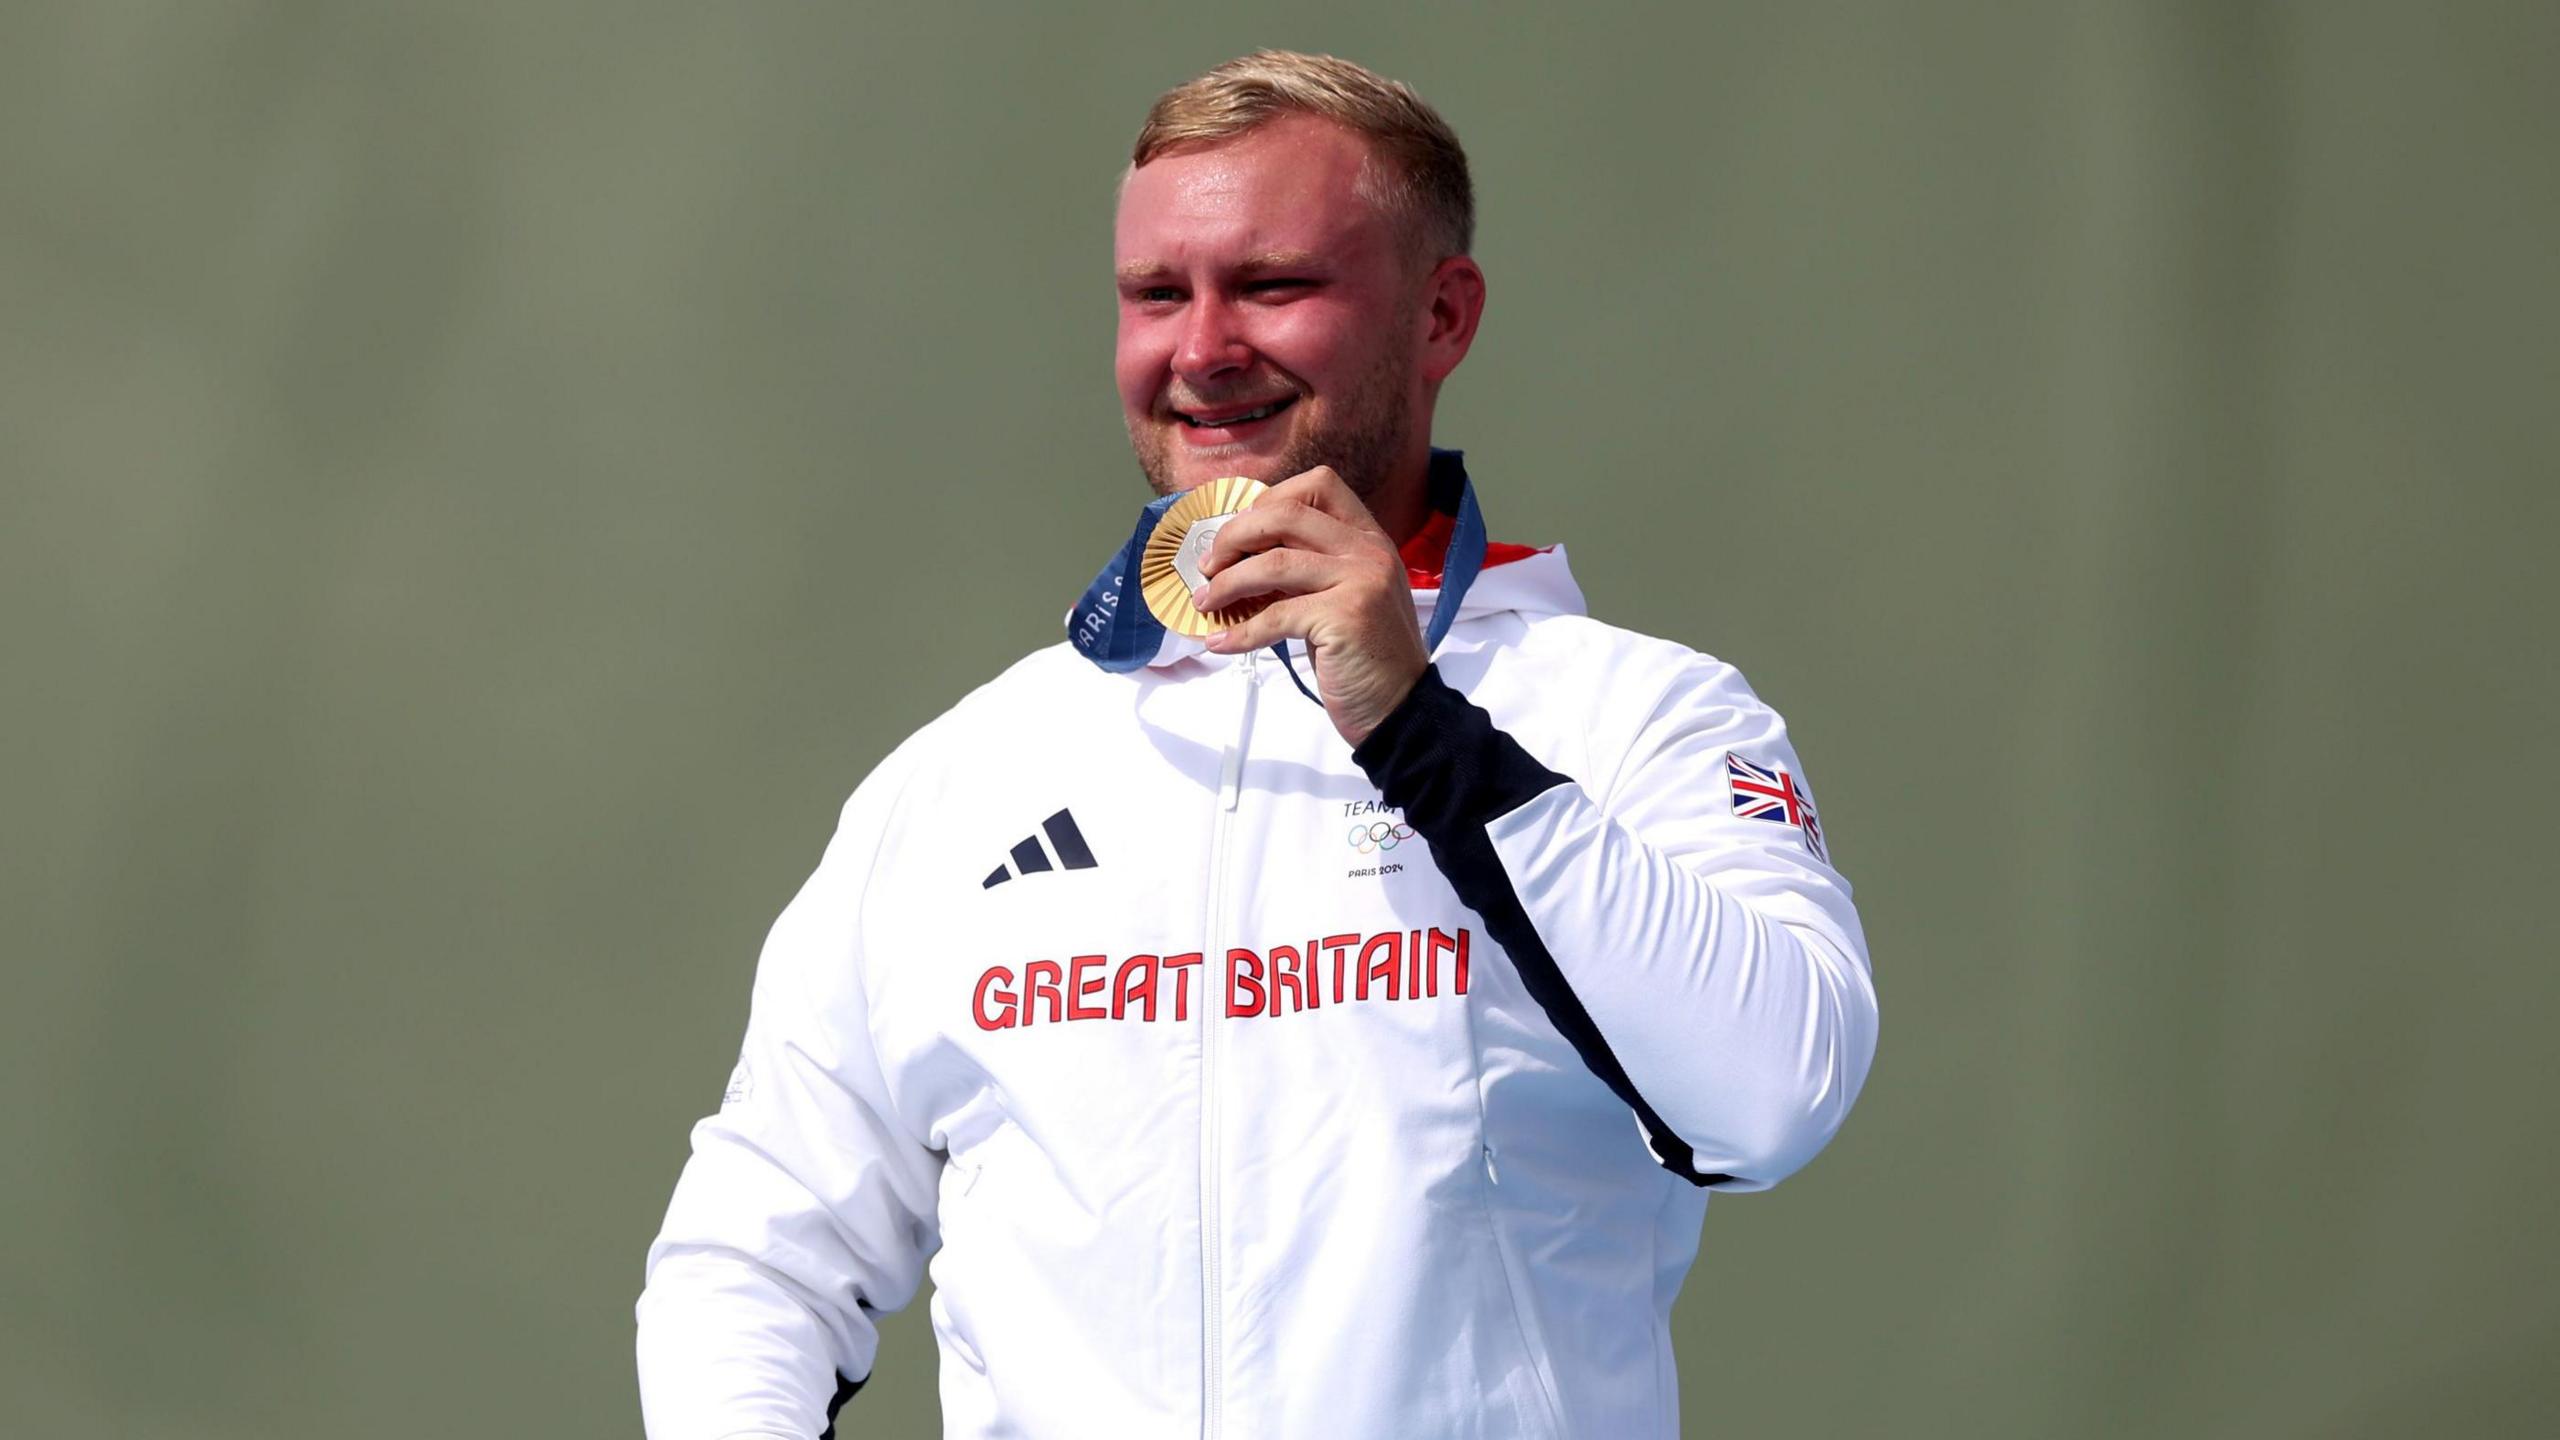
(1379, 835)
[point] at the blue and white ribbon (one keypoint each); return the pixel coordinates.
(1112, 626)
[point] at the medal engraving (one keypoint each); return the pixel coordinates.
(1193, 552)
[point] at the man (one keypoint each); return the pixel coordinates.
(1349, 1068)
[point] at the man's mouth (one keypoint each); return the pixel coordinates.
(1231, 417)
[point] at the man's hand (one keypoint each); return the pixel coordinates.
(1336, 582)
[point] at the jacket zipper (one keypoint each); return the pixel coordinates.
(1212, 1004)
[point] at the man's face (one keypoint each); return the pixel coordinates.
(1271, 318)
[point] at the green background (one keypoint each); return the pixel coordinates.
(479, 484)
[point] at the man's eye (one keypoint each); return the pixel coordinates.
(1158, 295)
(1280, 285)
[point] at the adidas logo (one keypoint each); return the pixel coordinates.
(1065, 850)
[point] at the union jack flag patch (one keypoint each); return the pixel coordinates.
(1771, 794)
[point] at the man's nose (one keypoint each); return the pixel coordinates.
(1213, 342)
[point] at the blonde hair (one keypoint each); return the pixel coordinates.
(1423, 183)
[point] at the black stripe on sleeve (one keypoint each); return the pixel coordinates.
(1440, 758)
(845, 1389)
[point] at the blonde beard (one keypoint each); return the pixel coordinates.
(1362, 447)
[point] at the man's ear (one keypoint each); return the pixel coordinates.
(1454, 292)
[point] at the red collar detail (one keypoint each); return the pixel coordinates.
(1429, 546)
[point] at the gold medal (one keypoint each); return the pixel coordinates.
(1169, 568)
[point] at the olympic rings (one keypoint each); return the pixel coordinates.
(1379, 835)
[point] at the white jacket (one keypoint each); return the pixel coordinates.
(1232, 1084)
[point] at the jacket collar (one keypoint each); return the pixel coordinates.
(1516, 579)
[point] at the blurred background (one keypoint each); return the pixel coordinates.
(473, 484)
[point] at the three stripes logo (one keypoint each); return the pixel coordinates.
(1056, 845)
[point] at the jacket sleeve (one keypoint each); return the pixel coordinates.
(1706, 964)
(806, 1209)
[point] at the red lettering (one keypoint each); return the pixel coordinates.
(1135, 985)
(1386, 969)
(1440, 942)
(1239, 962)
(1340, 946)
(1389, 965)
(1035, 989)
(1285, 976)
(1079, 985)
(1001, 1019)
(1181, 965)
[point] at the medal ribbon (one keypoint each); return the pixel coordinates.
(1112, 626)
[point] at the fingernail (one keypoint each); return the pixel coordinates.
(1217, 640)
